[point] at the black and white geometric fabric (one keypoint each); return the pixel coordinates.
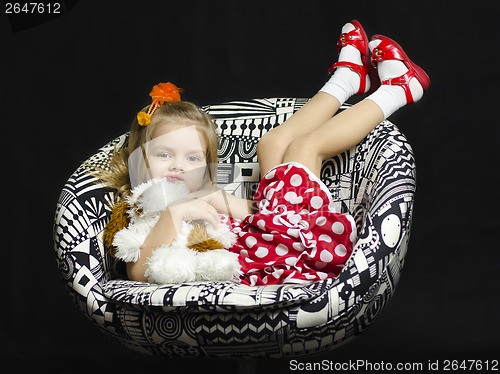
(374, 181)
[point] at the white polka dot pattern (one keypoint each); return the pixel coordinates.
(296, 233)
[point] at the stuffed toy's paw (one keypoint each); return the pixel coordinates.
(217, 265)
(175, 265)
(172, 265)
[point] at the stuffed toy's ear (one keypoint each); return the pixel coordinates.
(119, 220)
(199, 239)
(204, 237)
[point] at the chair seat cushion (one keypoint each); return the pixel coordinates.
(211, 296)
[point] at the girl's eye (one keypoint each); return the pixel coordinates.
(193, 159)
(164, 155)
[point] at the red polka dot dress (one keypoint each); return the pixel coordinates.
(296, 235)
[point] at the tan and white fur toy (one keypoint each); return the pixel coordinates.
(198, 252)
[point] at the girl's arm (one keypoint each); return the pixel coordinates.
(165, 231)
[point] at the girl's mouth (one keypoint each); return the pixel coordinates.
(174, 179)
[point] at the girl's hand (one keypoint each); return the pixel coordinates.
(226, 203)
(193, 209)
(214, 198)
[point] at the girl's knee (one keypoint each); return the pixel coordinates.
(270, 141)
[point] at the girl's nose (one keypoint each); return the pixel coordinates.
(176, 165)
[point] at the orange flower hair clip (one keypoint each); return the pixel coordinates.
(161, 93)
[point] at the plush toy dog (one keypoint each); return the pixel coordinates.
(198, 252)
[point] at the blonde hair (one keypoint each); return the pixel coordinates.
(118, 176)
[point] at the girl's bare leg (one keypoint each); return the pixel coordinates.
(335, 136)
(344, 83)
(312, 115)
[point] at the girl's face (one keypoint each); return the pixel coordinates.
(177, 152)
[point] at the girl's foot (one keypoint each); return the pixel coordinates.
(353, 71)
(402, 81)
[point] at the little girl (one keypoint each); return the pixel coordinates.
(290, 233)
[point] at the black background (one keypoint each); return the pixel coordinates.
(71, 83)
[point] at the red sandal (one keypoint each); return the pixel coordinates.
(358, 39)
(388, 49)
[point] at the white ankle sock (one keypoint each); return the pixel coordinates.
(345, 82)
(388, 99)
(391, 98)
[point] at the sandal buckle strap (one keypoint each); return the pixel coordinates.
(361, 70)
(385, 51)
(354, 38)
(404, 82)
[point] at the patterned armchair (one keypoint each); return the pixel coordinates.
(374, 181)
